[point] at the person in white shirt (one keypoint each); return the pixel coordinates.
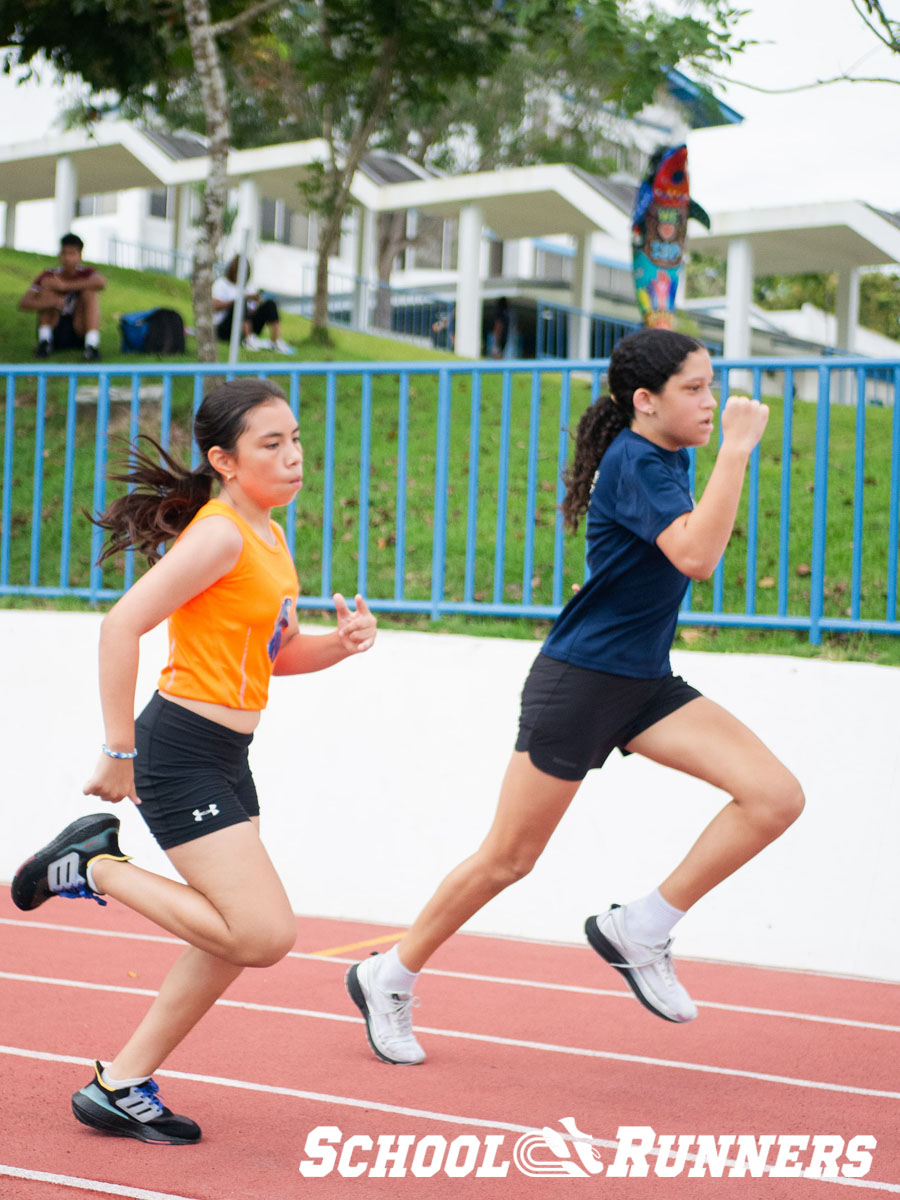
(258, 313)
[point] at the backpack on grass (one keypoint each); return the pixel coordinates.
(155, 331)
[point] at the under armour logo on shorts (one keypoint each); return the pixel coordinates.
(212, 811)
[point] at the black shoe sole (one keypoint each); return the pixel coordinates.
(26, 881)
(354, 988)
(95, 1117)
(607, 951)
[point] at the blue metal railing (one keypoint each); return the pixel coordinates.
(554, 323)
(434, 488)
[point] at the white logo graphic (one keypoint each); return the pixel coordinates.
(528, 1156)
(546, 1154)
(137, 1105)
(212, 811)
(63, 873)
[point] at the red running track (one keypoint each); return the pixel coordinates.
(519, 1036)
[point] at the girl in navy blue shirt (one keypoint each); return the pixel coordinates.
(603, 681)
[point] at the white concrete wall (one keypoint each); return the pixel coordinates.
(378, 776)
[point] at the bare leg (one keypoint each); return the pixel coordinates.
(248, 895)
(86, 317)
(233, 906)
(530, 807)
(704, 740)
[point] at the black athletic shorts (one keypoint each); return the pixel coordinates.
(191, 775)
(64, 335)
(572, 718)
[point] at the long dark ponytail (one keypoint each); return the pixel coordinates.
(164, 495)
(646, 359)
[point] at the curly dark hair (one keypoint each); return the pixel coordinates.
(646, 359)
(164, 496)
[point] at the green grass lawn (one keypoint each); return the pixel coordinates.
(130, 291)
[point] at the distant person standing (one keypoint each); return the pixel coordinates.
(500, 329)
(66, 300)
(258, 313)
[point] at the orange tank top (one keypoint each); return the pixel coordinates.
(223, 642)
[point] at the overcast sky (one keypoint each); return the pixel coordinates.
(833, 143)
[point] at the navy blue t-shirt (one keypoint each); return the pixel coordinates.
(623, 619)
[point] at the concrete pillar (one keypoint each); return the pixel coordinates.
(468, 285)
(248, 215)
(582, 298)
(847, 308)
(365, 268)
(9, 225)
(181, 235)
(65, 195)
(524, 258)
(738, 294)
(847, 312)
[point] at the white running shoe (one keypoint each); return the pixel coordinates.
(648, 970)
(252, 342)
(388, 1015)
(282, 347)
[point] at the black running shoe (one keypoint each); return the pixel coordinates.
(136, 1112)
(60, 869)
(42, 349)
(91, 354)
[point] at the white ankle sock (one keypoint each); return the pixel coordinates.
(391, 974)
(650, 919)
(116, 1085)
(92, 337)
(45, 333)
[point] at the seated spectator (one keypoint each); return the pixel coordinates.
(67, 303)
(258, 313)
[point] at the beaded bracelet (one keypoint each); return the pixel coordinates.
(119, 753)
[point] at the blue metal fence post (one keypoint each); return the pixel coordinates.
(365, 440)
(96, 575)
(894, 514)
(9, 444)
(441, 474)
(37, 517)
(820, 508)
(784, 519)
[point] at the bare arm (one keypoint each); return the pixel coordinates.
(35, 299)
(302, 653)
(95, 282)
(203, 554)
(695, 541)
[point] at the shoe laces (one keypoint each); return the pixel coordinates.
(150, 1091)
(80, 891)
(400, 1012)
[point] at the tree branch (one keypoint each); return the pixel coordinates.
(242, 18)
(803, 87)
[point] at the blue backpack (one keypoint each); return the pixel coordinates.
(155, 331)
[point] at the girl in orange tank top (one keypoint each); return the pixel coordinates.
(228, 588)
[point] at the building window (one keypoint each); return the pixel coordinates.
(555, 268)
(429, 249)
(495, 258)
(97, 205)
(159, 204)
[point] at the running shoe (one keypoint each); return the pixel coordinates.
(60, 868)
(648, 970)
(388, 1015)
(43, 349)
(136, 1111)
(252, 342)
(283, 347)
(91, 354)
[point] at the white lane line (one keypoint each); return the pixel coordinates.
(394, 1109)
(494, 1040)
(88, 1185)
(617, 994)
